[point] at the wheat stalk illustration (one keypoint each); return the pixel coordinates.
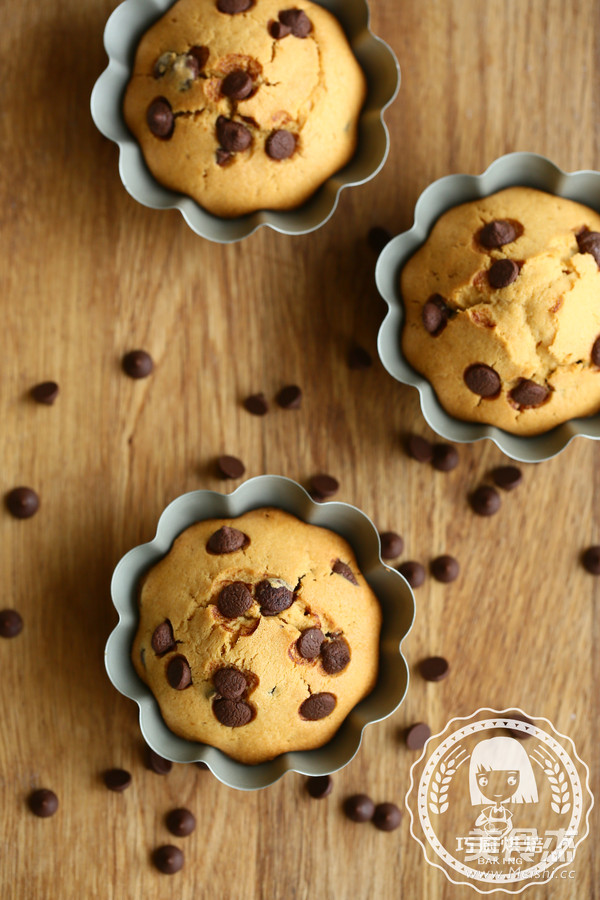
(561, 795)
(438, 788)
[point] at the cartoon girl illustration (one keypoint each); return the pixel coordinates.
(500, 772)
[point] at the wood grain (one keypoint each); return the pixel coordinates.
(88, 274)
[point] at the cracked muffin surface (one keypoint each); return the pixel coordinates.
(251, 108)
(257, 634)
(502, 310)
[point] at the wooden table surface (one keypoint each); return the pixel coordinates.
(87, 274)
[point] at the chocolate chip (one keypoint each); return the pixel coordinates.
(317, 706)
(324, 485)
(163, 63)
(595, 354)
(43, 803)
(180, 822)
(387, 816)
(223, 156)
(320, 786)
(516, 732)
(280, 144)
(232, 7)
(168, 859)
(289, 397)
(22, 502)
(157, 764)
(335, 656)
(160, 118)
(359, 358)
(309, 643)
(591, 560)
(179, 674)
(273, 599)
(230, 683)
(297, 20)
(45, 393)
(232, 135)
(237, 85)
(342, 568)
(11, 623)
(445, 457)
(482, 380)
(392, 544)
(507, 477)
(202, 765)
(162, 638)
(232, 713)
(417, 736)
(434, 668)
(278, 30)
(200, 55)
(137, 364)
(413, 571)
(445, 568)
(256, 404)
(589, 242)
(234, 600)
(230, 467)
(527, 394)
(502, 272)
(434, 315)
(359, 808)
(227, 540)
(485, 500)
(497, 233)
(419, 448)
(116, 779)
(378, 238)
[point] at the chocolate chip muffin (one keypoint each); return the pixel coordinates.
(502, 307)
(245, 104)
(257, 635)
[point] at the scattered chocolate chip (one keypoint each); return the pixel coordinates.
(324, 485)
(387, 816)
(163, 639)
(482, 380)
(516, 732)
(157, 764)
(232, 713)
(223, 156)
(232, 7)
(359, 808)
(591, 560)
(413, 571)
(434, 668)
(419, 448)
(43, 803)
(169, 859)
(317, 706)
(289, 397)
(527, 394)
(434, 315)
(160, 118)
(589, 242)
(485, 500)
(180, 822)
(230, 683)
(320, 786)
(234, 600)
(497, 233)
(179, 674)
(137, 364)
(273, 599)
(280, 144)
(342, 568)
(256, 404)
(378, 238)
(116, 779)
(278, 30)
(45, 393)
(595, 354)
(227, 540)
(417, 736)
(22, 502)
(392, 544)
(507, 477)
(237, 85)
(359, 358)
(297, 20)
(444, 568)
(200, 55)
(230, 467)
(309, 643)
(11, 623)
(445, 457)
(335, 656)
(502, 272)
(232, 135)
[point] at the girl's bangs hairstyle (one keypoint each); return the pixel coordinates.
(502, 754)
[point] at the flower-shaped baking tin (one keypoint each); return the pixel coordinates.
(392, 591)
(122, 33)
(514, 169)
